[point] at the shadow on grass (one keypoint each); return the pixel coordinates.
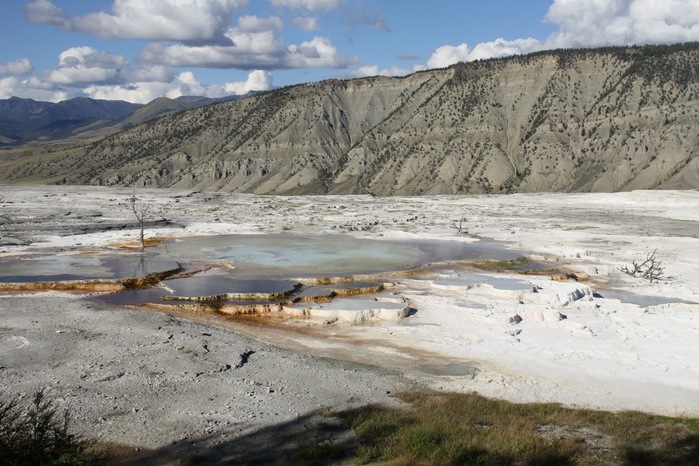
(447, 429)
(312, 439)
(681, 452)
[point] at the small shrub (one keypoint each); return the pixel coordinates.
(38, 434)
(651, 269)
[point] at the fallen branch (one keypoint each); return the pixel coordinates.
(651, 268)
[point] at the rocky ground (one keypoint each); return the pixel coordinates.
(168, 384)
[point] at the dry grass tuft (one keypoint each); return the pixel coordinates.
(451, 428)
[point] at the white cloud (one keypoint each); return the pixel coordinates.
(199, 33)
(253, 24)
(183, 20)
(262, 42)
(31, 88)
(375, 70)
(84, 71)
(247, 51)
(318, 52)
(77, 76)
(8, 87)
(184, 84)
(19, 67)
(502, 48)
(312, 5)
(307, 23)
(258, 80)
(448, 55)
(591, 23)
(136, 92)
(82, 65)
(45, 12)
(251, 46)
(154, 73)
(37, 84)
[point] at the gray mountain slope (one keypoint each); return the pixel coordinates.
(571, 120)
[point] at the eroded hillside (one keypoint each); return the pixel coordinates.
(576, 120)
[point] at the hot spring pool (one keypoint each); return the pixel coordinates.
(261, 264)
(287, 255)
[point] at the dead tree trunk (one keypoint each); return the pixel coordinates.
(142, 212)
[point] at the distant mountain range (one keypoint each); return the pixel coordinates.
(26, 120)
(606, 119)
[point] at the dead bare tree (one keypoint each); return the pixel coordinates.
(143, 211)
(651, 268)
(459, 225)
(5, 218)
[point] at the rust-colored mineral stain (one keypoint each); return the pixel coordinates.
(89, 286)
(84, 286)
(135, 244)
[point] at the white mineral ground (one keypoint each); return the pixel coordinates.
(148, 379)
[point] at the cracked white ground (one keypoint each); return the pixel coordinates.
(614, 342)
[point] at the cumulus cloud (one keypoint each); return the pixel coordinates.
(502, 48)
(31, 88)
(139, 92)
(8, 87)
(184, 83)
(258, 80)
(375, 70)
(247, 51)
(86, 71)
(307, 23)
(182, 20)
(251, 45)
(258, 42)
(156, 73)
(200, 33)
(253, 24)
(312, 5)
(81, 65)
(591, 23)
(35, 83)
(45, 12)
(318, 52)
(19, 67)
(448, 55)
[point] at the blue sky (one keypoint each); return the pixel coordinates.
(138, 50)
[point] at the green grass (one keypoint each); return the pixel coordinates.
(449, 428)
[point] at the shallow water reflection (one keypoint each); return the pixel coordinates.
(265, 267)
(63, 267)
(286, 255)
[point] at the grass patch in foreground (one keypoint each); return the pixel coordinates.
(451, 428)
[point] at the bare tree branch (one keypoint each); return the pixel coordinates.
(459, 225)
(143, 213)
(5, 218)
(651, 268)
